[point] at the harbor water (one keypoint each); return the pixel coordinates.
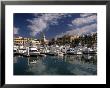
(56, 65)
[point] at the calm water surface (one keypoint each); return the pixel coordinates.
(56, 65)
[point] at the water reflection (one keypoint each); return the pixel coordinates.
(92, 59)
(56, 65)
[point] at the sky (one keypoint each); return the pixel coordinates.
(54, 25)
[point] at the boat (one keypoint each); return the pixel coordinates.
(78, 51)
(42, 55)
(92, 51)
(21, 51)
(70, 51)
(51, 53)
(15, 50)
(60, 54)
(64, 49)
(44, 50)
(89, 51)
(31, 51)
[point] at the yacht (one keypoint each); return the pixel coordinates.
(52, 53)
(31, 51)
(89, 51)
(44, 50)
(60, 53)
(22, 50)
(15, 50)
(92, 51)
(70, 51)
(78, 51)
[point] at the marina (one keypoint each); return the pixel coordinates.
(55, 60)
(55, 44)
(52, 50)
(41, 58)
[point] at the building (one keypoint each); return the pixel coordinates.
(66, 39)
(35, 42)
(43, 39)
(26, 41)
(20, 40)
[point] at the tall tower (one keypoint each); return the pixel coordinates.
(43, 37)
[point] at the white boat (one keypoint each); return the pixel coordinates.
(22, 51)
(15, 50)
(44, 50)
(31, 51)
(89, 51)
(60, 54)
(70, 51)
(78, 51)
(52, 51)
(64, 49)
(43, 55)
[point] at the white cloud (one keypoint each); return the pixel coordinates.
(60, 35)
(88, 29)
(84, 21)
(15, 29)
(85, 14)
(39, 24)
(83, 30)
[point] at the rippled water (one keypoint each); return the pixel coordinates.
(56, 65)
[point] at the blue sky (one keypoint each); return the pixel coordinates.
(54, 25)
